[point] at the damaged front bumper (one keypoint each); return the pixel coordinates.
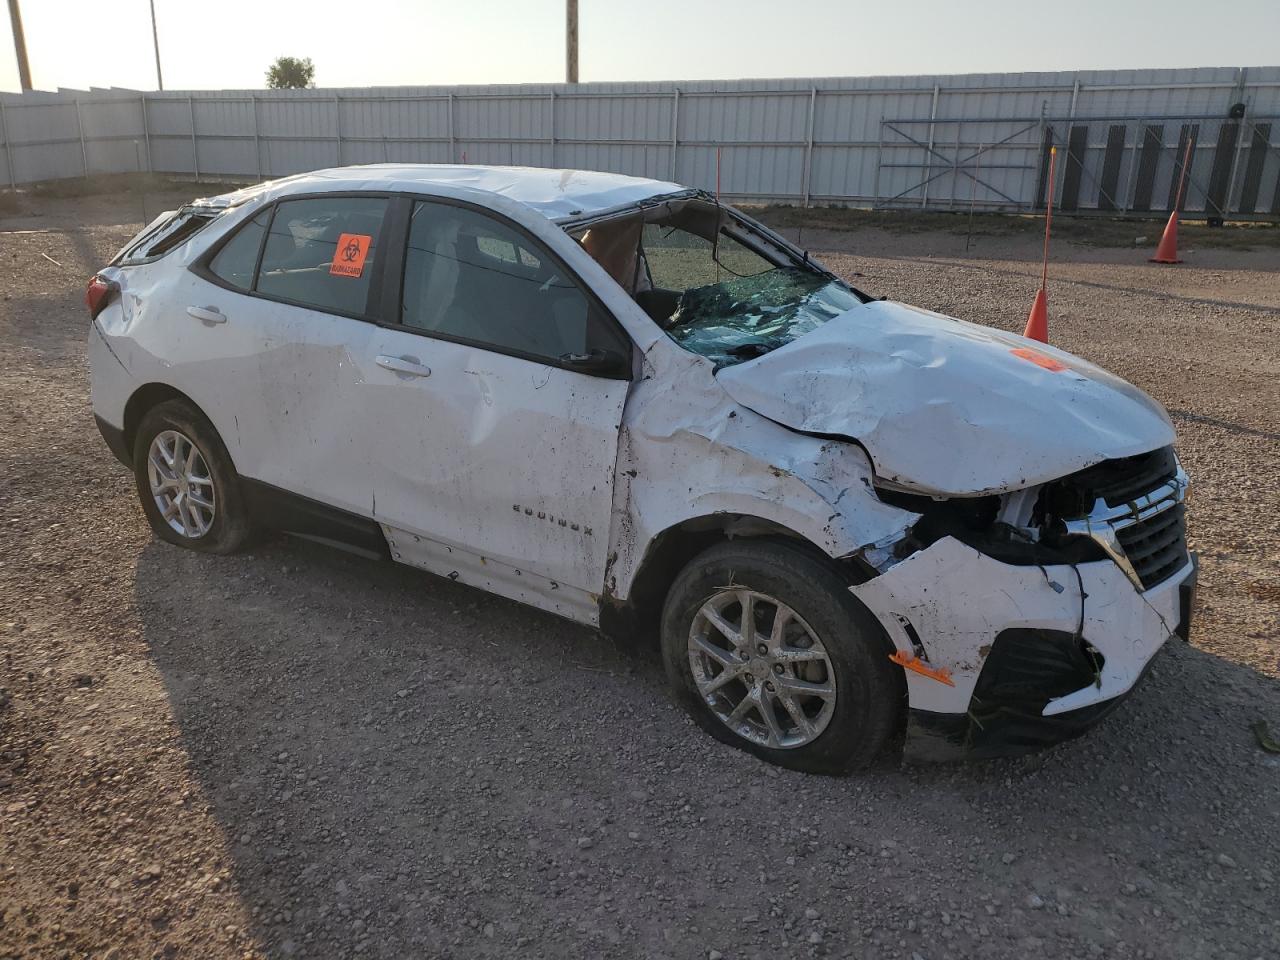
(1006, 658)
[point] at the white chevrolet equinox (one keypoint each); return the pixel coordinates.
(623, 402)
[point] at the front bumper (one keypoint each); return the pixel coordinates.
(1018, 656)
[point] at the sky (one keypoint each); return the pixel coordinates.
(230, 43)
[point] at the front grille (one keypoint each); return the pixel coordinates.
(1157, 546)
(1132, 507)
(1121, 481)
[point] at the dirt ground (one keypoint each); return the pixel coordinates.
(296, 753)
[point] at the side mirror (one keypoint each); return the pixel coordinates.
(597, 361)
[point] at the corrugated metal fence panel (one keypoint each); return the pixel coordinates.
(936, 141)
(169, 123)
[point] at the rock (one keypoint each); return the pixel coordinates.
(1226, 861)
(811, 914)
(1008, 858)
(714, 955)
(815, 937)
(585, 843)
(1034, 901)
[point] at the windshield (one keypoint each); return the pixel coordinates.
(744, 317)
(717, 286)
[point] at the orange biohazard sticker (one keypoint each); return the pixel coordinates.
(348, 259)
(1039, 359)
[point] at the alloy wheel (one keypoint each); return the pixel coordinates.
(761, 669)
(181, 484)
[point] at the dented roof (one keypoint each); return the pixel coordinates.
(555, 194)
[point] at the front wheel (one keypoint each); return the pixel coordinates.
(187, 485)
(768, 651)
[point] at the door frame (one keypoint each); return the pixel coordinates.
(386, 284)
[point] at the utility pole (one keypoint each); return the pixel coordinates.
(570, 40)
(155, 39)
(20, 45)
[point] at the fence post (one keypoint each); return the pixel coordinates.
(8, 148)
(1235, 161)
(928, 154)
(1132, 186)
(808, 147)
(84, 153)
(257, 137)
(675, 129)
(146, 132)
(337, 126)
(875, 200)
(453, 141)
(195, 149)
(553, 129)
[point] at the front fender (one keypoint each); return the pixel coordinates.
(686, 454)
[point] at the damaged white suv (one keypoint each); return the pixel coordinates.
(623, 402)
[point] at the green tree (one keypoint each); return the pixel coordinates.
(291, 73)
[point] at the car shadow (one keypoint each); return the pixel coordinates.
(406, 766)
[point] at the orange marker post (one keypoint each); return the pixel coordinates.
(1167, 251)
(1038, 320)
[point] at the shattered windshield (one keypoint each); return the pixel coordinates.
(716, 284)
(745, 317)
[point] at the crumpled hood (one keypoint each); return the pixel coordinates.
(947, 407)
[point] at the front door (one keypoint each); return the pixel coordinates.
(490, 414)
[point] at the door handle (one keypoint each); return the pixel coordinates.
(207, 314)
(406, 365)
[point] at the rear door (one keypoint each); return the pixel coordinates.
(490, 412)
(294, 288)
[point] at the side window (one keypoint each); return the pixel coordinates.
(321, 252)
(234, 263)
(679, 260)
(470, 277)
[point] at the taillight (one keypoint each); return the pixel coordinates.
(98, 294)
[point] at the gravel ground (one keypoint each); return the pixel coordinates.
(294, 753)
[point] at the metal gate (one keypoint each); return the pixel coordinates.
(1112, 166)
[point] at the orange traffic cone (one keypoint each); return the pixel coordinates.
(1167, 252)
(1038, 319)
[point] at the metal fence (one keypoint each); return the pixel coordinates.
(928, 142)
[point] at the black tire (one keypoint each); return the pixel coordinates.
(232, 528)
(869, 688)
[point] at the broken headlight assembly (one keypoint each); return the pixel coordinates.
(991, 525)
(1129, 510)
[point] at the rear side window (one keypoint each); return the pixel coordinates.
(321, 252)
(238, 257)
(168, 234)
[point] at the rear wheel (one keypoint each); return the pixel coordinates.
(769, 652)
(188, 488)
